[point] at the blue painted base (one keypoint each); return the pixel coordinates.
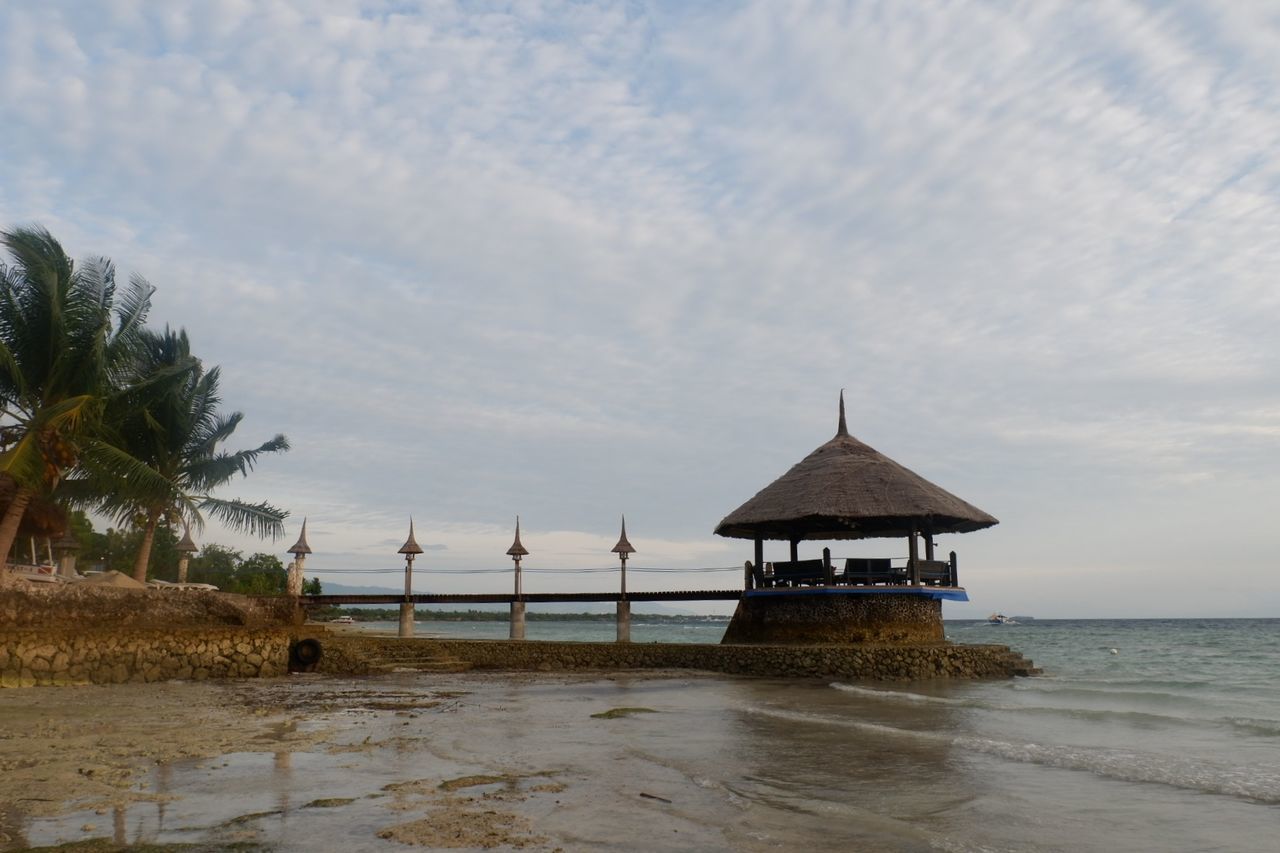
(933, 592)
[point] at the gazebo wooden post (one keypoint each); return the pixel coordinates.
(795, 550)
(759, 557)
(913, 555)
(826, 566)
(928, 540)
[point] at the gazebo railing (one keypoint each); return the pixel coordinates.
(855, 571)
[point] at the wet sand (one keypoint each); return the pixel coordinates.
(659, 761)
(629, 761)
(442, 762)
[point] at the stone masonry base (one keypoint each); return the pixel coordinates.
(808, 618)
(351, 655)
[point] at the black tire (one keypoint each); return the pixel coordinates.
(304, 655)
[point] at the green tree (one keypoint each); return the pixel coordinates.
(311, 587)
(67, 343)
(176, 436)
(215, 564)
(260, 574)
(91, 542)
(115, 549)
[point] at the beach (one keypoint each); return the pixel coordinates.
(1168, 744)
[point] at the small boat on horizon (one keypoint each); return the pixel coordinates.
(1000, 619)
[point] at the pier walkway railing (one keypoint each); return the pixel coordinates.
(527, 598)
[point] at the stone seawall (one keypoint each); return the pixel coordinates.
(880, 663)
(808, 617)
(42, 607)
(100, 656)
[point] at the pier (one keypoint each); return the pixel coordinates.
(526, 598)
(844, 490)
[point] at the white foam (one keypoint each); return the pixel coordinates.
(897, 695)
(1249, 782)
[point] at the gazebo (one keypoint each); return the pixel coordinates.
(841, 491)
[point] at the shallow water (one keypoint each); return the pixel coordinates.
(1172, 743)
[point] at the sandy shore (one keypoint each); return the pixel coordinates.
(285, 763)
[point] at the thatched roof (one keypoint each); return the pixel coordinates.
(847, 490)
(301, 548)
(410, 545)
(186, 545)
(623, 548)
(516, 549)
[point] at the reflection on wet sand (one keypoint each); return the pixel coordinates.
(12, 827)
(719, 763)
(858, 765)
(119, 836)
(282, 768)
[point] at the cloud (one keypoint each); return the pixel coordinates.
(586, 258)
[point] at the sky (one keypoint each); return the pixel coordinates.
(574, 260)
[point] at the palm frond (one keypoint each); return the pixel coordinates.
(209, 473)
(214, 430)
(24, 461)
(121, 478)
(131, 308)
(260, 519)
(13, 384)
(66, 414)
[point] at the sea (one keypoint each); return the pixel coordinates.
(1141, 735)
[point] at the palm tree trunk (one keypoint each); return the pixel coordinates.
(143, 559)
(12, 518)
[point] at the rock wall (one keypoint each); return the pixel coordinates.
(809, 618)
(97, 656)
(883, 663)
(83, 606)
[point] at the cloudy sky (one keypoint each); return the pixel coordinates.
(571, 260)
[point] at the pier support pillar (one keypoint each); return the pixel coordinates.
(517, 620)
(624, 621)
(406, 619)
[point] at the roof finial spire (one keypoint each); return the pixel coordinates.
(517, 550)
(843, 429)
(301, 548)
(410, 546)
(623, 548)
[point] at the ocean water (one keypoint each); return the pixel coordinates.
(1171, 743)
(1141, 735)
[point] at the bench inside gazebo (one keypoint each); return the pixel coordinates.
(853, 571)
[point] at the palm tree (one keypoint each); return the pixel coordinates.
(61, 356)
(176, 435)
